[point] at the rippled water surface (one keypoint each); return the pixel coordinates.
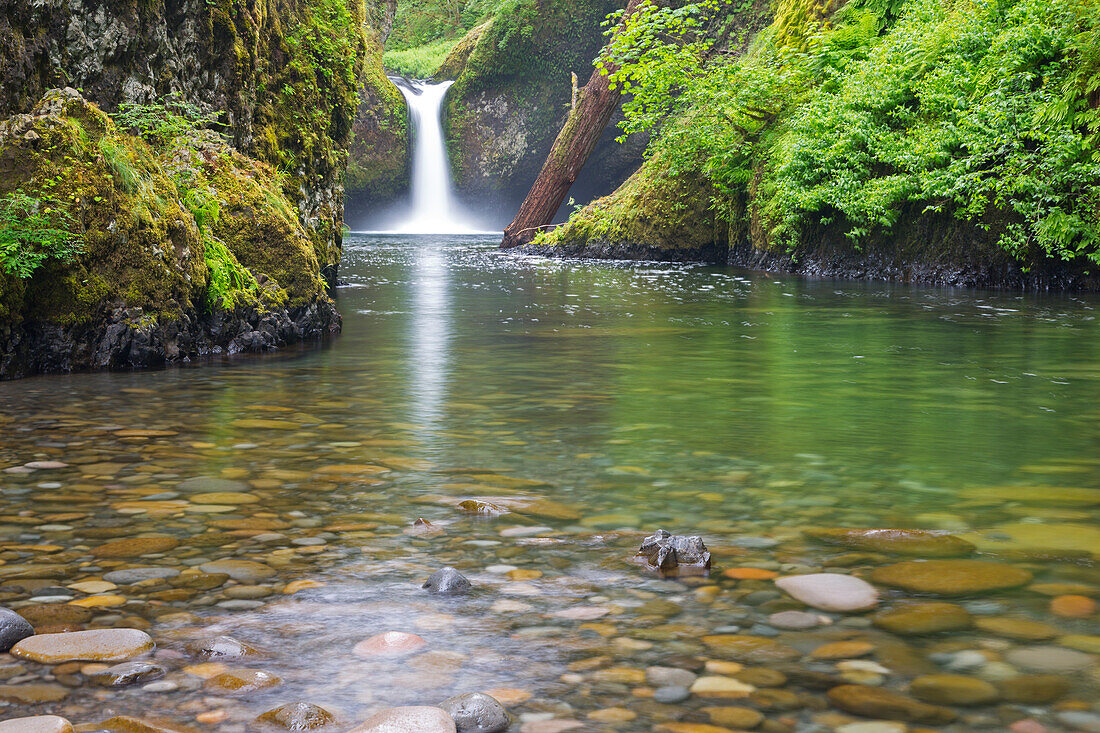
(596, 402)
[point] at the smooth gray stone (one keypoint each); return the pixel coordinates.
(448, 581)
(476, 712)
(13, 629)
(671, 694)
(129, 576)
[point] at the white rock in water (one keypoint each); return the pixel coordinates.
(830, 591)
(419, 719)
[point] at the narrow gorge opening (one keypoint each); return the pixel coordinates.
(431, 206)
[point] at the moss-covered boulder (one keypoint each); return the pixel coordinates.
(284, 76)
(185, 247)
(654, 215)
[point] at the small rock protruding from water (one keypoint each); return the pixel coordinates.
(298, 716)
(223, 647)
(128, 673)
(673, 554)
(448, 582)
(13, 629)
(389, 644)
(476, 712)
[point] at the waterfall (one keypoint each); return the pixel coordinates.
(433, 208)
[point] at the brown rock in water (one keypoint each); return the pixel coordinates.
(481, 508)
(136, 546)
(875, 702)
(96, 645)
(916, 542)
(915, 619)
(751, 649)
(242, 681)
(55, 614)
(298, 716)
(33, 693)
(951, 577)
(953, 689)
(1016, 628)
(1034, 689)
(128, 724)
(199, 581)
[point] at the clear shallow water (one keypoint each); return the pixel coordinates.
(602, 400)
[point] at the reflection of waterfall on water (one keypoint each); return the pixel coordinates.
(433, 208)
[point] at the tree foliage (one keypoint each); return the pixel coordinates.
(32, 232)
(985, 110)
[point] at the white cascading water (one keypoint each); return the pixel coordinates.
(433, 208)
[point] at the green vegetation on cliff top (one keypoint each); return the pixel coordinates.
(984, 110)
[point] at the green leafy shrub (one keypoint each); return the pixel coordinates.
(420, 62)
(32, 232)
(951, 110)
(162, 121)
(987, 111)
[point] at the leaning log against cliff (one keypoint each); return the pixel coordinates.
(574, 144)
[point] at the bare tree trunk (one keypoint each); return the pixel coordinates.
(587, 120)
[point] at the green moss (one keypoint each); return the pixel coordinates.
(189, 226)
(655, 208)
(455, 63)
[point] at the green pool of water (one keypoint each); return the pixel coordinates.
(599, 402)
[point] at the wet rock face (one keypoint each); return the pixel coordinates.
(448, 582)
(674, 554)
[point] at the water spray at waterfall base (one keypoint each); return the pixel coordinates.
(432, 208)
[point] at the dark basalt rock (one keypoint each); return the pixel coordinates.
(669, 553)
(13, 629)
(128, 673)
(448, 582)
(476, 712)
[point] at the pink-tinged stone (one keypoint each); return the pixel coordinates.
(1027, 725)
(419, 719)
(36, 724)
(830, 591)
(389, 644)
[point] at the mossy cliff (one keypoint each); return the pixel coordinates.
(283, 75)
(913, 140)
(512, 93)
(186, 247)
(378, 156)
